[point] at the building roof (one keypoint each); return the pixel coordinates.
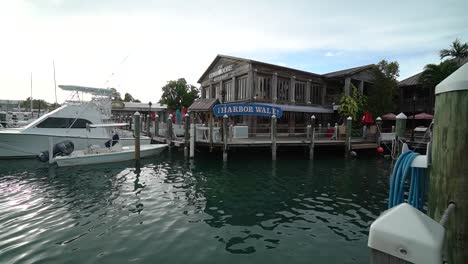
(132, 106)
(349, 71)
(412, 80)
(203, 105)
(219, 56)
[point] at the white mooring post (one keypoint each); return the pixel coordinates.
(148, 122)
(273, 137)
(137, 136)
(186, 135)
(51, 150)
(312, 137)
(225, 137)
(169, 130)
(192, 140)
(156, 126)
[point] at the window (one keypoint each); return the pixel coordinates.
(264, 87)
(61, 122)
(283, 89)
(218, 92)
(242, 88)
(299, 92)
(229, 88)
(316, 94)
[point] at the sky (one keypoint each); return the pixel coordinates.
(137, 46)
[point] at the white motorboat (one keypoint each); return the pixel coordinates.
(68, 122)
(116, 153)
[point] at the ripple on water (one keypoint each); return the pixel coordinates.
(175, 211)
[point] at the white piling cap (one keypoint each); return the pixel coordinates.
(273, 116)
(349, 118)
(225, 116)
(186, 114)
(406, 233)
(378, 118)
(156, 115)
(456, 81)
(170, 116)
(401, 116)
(137, 113)
(313, 117)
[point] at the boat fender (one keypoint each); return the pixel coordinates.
(113, 141)
(63, 148)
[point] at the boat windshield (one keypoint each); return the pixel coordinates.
(62, 122)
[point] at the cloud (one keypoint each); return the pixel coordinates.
(89, 40)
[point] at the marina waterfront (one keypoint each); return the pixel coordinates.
(248, 210)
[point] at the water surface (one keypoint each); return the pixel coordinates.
(250, 210)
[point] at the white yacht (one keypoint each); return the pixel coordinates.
(72, 121)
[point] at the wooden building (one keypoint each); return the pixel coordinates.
(300, 94)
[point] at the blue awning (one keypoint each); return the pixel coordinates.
(303, 108)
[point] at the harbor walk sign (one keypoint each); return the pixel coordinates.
(247, 109)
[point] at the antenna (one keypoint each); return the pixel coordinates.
(55, 83)
(31, 97)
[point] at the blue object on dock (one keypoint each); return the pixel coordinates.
(397, 182)
(247, 109)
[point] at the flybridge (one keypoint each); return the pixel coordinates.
(247, 109)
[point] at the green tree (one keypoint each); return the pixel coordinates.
(383, 95)
(457, 51)
(129, 98)
(352, 105)
(115, 95)
(37, 104)
(178, 94)
(433, 74)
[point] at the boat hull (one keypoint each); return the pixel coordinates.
(127, 153)
(22, 145)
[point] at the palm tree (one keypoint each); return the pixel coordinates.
(457, 51)
(433, 74)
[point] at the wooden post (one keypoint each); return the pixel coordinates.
(349, 127)
(148, 122)
(137, 136)
(169, 130)
(401, 125)
(292, 87)
(273, 137)
(192, 140)
(307, 92)
(51, 149)
(400, 130)
(274, 87)
(312, 138)
(378, 123)
(449, 172)
(225, 137)
(211, 131)
(336, 131)
(347, 87)
(130, 124)
(186, 135)
(156, 126)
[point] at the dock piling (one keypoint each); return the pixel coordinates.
(349, 127)
(400, 130)
(312, 137)
(378, 123)
(273, 137)
(137, 136)
(449, 172)
(148, 122)
(186, 134)
(225, 137)
(192, 140)
(156, 125)
(169, 130)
